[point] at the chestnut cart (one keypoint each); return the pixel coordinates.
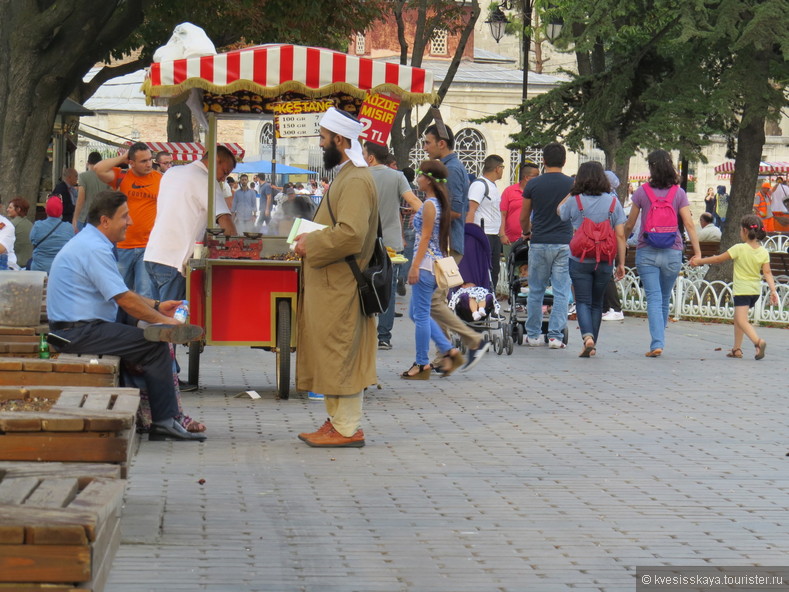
(237, 293)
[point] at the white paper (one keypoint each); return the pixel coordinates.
(302, 226)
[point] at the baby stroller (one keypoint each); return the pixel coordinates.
(519, 295)
(475, 269)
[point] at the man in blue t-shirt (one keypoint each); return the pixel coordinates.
(549, 247)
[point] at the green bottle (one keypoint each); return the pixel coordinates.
(43, 347)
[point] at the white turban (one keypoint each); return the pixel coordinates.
(336, 122)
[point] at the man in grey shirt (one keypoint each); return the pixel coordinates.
(391, 185)
(89, 187)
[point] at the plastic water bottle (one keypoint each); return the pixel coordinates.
(182, 312)
(43, 347)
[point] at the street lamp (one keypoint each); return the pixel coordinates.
(554, 29)
(498, 21)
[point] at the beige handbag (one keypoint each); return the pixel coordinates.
(447, 273)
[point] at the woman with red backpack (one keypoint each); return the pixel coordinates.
(660, 244)
(598, 220)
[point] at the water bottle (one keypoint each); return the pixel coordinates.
(182, 312)
(43, 347)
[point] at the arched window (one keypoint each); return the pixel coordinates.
(267, 134)
(471, 149)
(530, 154)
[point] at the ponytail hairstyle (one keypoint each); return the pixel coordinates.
(436, 173)
(753, 227)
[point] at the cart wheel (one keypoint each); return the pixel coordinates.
(195, 349)
(565, 336)
(283, 349)
(509, 345)
(519, 333)
(498, 344)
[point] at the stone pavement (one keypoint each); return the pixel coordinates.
(539, 471)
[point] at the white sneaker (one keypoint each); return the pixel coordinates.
(539, 342)
(571, 309)
(556, 343)
(613, 315)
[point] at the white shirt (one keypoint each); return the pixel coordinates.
(779, 195)
(709, 234)
(7, 239)
(488, 210)
(181, 215)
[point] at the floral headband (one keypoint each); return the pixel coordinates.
(436, 179)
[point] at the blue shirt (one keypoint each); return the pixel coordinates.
(84, 280)
(44, 251)
(433, 252)
(244, 202)
(457, 185)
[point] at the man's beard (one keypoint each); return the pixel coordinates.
(331, 157)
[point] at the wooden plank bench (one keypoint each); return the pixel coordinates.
(20, 342)
(61, 370)
(59, 526)
(779, 265)
(83, 425)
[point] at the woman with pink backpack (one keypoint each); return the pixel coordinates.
(660, 244)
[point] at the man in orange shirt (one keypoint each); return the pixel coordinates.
(140, 184)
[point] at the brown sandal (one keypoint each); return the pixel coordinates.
(452, 364)
(588, 348)
(735, 352)
(760, 347)
(423, 372)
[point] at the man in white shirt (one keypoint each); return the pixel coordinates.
(181, 216)
(484, 201)
(7, 240)
(708, 232)
(780, 194)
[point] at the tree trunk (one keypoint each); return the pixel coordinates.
(48, 47)
(750, 142)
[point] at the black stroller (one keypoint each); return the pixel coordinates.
(519, 296)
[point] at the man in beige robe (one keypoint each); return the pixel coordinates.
(336, 341)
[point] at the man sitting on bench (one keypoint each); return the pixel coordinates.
(83, 295)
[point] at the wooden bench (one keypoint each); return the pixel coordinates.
(83, 425)
(61, 370)
(779, 265)
(707, 250)
(59, 525)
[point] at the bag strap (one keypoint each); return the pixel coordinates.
(48, 234)
(350, 259)
(487, 187)
(580, 206)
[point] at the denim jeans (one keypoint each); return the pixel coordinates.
(425, 327)
(658, 270)
(548, 264)
(167, 282)
(132, 268)
(386, 319)
(589, 285)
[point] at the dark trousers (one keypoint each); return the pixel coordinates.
(127, 342)
(611, 300)
(495, 260)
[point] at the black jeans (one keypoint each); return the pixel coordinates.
(127, 342)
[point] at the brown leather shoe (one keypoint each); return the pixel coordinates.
(334, 439)
(319, 432)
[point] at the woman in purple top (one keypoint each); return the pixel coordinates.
(658, 268)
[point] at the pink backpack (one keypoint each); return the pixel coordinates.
(660, 224)
(594, 237)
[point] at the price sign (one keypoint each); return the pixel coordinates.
(377, 115)
(298, 126)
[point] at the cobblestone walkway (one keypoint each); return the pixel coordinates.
(538, 471)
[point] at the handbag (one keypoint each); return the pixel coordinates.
(375, 282)
(447, 273)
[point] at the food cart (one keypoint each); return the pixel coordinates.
(237, 292)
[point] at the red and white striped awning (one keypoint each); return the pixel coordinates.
(270, 70)
(188, 151)
(765, 168)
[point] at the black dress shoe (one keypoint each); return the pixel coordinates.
(172, 430)
(398, 315)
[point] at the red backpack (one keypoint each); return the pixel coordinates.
(594, 237)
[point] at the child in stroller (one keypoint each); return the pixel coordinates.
(474, 302)
(517, 280)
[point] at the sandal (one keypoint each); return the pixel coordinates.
(422, 372)
(735, 352)
(760, 347)
(655, 353)
(588, 348)
(455, 362)
(189, 424)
